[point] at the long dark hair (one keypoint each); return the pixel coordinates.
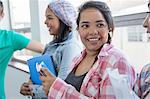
(104, 9)
(63, 32)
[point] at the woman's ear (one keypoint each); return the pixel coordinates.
(110, 29)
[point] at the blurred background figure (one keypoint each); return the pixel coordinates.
(61, 23)
(11, 41)
(142, 86)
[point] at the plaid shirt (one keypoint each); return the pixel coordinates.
(94, 86)
(142, 86)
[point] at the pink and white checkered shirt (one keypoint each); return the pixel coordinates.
(94, 86)
(142, 85)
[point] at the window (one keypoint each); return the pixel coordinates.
(137, 34)
(20, 14)
(20, 20)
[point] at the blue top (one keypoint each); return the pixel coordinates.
(63, 53)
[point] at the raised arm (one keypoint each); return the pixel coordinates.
(35, 46)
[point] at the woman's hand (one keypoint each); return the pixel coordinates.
(47, 79)
(26, 90)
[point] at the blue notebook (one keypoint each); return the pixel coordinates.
(36, 63)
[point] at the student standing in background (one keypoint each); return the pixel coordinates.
(142, 86)
(61, 23)
(11, 41)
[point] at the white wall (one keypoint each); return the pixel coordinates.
(5, 23)
(13, 81)
(138, 52)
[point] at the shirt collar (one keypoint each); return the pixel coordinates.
(105, 49)
(103, 52)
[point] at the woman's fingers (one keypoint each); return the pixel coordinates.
(26, 84)
(46, 71)
(45, 74)
(47, 80)
(27, 93)
(25, 89)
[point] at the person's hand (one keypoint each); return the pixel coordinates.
(47, 80)
(26, 90)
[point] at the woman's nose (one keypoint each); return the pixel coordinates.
(93, 31)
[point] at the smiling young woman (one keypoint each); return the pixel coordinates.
(85, 79)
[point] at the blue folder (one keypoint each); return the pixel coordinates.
(44, 61)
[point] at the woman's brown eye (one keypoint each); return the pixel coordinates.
(84, 26)
(101, 25)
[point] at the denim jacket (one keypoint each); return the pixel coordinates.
(63, 53)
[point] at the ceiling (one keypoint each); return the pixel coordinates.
(115, 5)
